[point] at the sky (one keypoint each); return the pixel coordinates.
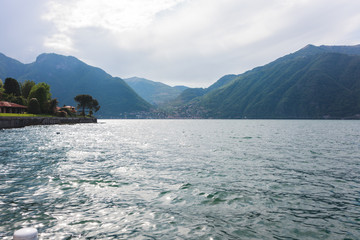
(177, 42)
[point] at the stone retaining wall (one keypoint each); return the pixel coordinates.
(18, 122)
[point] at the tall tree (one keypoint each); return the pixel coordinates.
(12, 86)
(1, 90)
(34, 106)
(52, 105)
(84, 101)
(26, 88)
(41, 92)
(94, 105)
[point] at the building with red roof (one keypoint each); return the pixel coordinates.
(8, 107)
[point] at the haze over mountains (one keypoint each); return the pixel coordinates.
(314, 82)
(156, 93)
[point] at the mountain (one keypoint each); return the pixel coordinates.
(181, 88)
(221, 82)
(69, 77)
(155, 93)
(10, 67)
(187, 96)
(312, 50)
(314, 82)
(191, 93)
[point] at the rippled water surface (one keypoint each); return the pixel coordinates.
(182, 179)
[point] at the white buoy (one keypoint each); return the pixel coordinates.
(26, 234)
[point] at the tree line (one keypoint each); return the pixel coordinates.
(37, 98)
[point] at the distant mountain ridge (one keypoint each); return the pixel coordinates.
(312, 49)
(191, 93)
(314, 82)
(156, 93)
(10, 67)
(69, 77)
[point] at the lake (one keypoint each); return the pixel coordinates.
(183, 179)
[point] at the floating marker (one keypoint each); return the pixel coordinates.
(26, 234)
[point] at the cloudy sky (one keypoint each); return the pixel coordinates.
(178, 42)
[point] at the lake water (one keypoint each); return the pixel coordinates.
(183, 179)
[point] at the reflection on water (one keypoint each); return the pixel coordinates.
(182, 179)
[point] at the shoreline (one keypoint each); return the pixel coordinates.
(19, 122)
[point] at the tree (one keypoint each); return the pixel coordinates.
(52, 106)
(1, 91)
(34, 106)
(12, 86)
(10, 92)
(19, 100)
(26, 88)
(94, 105)
(84, 101)
(87, 101)
(41, 92)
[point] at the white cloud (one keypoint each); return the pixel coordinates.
(59, 42)
(116, 16)
(193, 42)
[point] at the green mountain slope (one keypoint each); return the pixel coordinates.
(69, 77)
(155, 93)
(311, 83)
(10, 67)
(223, 81)
(187, 96)
(192, 93)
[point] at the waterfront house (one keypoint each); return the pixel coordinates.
(8, 107)
(70, 108)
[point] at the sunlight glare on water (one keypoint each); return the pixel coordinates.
(182, 179)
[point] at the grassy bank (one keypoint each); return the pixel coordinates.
(34, 115)
(23, 115)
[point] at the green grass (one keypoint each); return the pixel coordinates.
(24, 115)
(33, 115)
